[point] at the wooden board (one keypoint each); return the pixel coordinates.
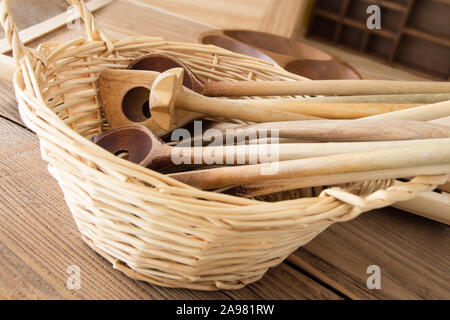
(230, 14)
(142, 18)
(412, 252)
(283, 17)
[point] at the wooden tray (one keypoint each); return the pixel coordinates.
(294, 56)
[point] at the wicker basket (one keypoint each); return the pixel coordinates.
(149, 226)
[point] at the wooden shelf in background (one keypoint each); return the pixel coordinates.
(427, 36)
(387, 5)
(408, 35)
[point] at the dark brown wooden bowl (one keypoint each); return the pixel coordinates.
(294, 56)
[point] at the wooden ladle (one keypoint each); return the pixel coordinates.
(139, 145)
(124, 96)
(168, 96)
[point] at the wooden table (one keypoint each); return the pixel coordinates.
(39, 240)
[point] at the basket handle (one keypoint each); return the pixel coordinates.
(20, 50)
(94, 33)
(11, 34)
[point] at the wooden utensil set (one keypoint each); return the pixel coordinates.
(356, 130)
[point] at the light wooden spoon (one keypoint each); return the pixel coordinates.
(125, 94)
(168, 96)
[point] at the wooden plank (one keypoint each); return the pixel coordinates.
(413, 254)
(7, 68)
(39, 240)
(228, 14)
(427, 37)
(284, 283)
(387, 4)
(144, 19)
(283, 17)
(431, 205)
(30, 12)
(42, 28)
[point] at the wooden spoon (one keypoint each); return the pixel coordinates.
(419, 154)
(343, 130)
(168, 96)
(139, 145)
(124, 98)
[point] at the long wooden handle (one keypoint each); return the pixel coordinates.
(263, 153)
(264, 110)
(420, 98)
(233, 109)
(346, 130)
(421, 113)
(324, 87)
(334, 110)
(417, 155)
(268, 187)
(442, 121)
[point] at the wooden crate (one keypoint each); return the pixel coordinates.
(414, 33)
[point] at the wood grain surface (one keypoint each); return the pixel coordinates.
(39, 239)
(283, 17)
(29, 12)
(235, 14)
(413, 254)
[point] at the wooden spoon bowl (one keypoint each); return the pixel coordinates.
(294, 56)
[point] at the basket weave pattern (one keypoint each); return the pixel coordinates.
(148, 225)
